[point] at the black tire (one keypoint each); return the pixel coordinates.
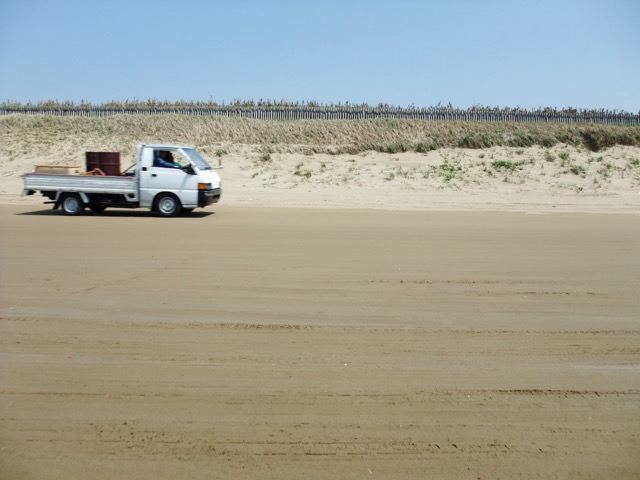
(168, 205)
(72, 204)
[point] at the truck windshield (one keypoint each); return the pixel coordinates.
(195, 157)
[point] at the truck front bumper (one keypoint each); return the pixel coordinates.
(207, 197)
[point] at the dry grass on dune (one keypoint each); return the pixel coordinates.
(41, 135)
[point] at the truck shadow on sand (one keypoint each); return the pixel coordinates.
(118, 214)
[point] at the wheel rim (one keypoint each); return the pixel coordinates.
(167, 205)
(72, 204)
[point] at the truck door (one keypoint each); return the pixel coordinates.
(155, 179)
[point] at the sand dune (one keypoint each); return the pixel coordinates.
(561, 178)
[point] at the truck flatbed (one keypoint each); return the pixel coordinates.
(123, 185)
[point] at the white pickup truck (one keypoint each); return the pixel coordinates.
(191, 182)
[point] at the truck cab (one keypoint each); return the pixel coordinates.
(191, 182)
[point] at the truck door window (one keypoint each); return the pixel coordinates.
(168, 159)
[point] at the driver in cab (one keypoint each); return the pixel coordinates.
(165, 159)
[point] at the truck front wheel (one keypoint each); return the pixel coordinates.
(168, 205)
(72, 204)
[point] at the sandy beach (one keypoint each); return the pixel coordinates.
(365, 320)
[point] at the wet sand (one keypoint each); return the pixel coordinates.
(247, 342)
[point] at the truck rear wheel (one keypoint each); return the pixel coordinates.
(72, 204)
(168, 205)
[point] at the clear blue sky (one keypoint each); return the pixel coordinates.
(558, 53)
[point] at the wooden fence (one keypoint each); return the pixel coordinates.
(307, 112)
